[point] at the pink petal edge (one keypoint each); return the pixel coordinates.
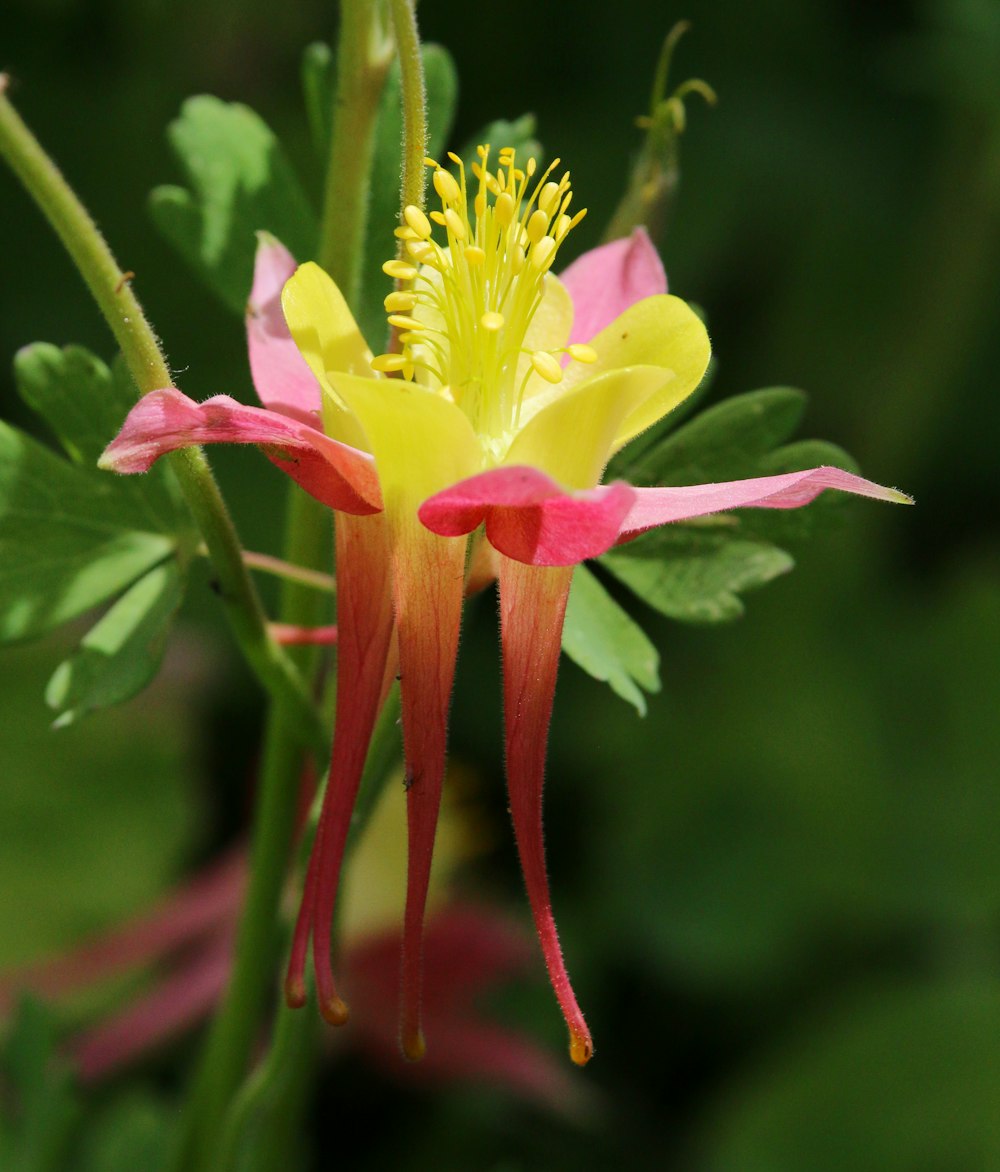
(529, 517)
(281, 376)
(339, 476)
(605, 281)
(789, 490)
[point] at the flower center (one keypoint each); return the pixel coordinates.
(462, 310)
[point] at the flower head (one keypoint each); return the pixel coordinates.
(496, 418)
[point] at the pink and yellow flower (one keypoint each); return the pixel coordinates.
(510, 391)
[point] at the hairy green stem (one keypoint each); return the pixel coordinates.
(111, 289)
(363, 57)
(414, 93)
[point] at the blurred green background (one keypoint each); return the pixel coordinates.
(779, 893)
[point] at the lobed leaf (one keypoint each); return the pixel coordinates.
(121, 653)
(70, 538)
(240, 183)
(601, 638)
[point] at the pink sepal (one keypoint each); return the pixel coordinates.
(529, 517)
(337, 475)
(607, 280)
(790, 490)
(281, 377)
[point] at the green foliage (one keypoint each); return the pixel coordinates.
(695, 571)
(441, 80)
(72, 537)
(318, 81)
(121, 653)
(519, 134)
(601, 638)
(696, 576)
(40, 1108)
(240, 183)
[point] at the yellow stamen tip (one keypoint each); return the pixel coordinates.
(474, 256)
(582, 352)
(537, 226)
(334, 1011)
(416, 220)
(581, 1049)
(492, 321)
(547, 366)
(399, 269)
(402, 322)
(503, 209)
(446, 186)
(455, 225)
(543, 254)
(399, 301)
(388, 363)
(413, 1045)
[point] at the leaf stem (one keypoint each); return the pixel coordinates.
(112, 291)
(268, 564)
(414, 93)
(363, 57)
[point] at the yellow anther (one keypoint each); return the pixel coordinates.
(474, 256)
(400, 301)
(492, 321)
(438, 218)
(547, 366)
(416, 220)
(399, 269)
(503, 210)
(578, 217)
(388, 363)
(548, 197)
(538, 225)
(482, 151)
(402, 322)
(543, 254)
(420, 250)
(404, 232)
(480, 204)
(491, 183)
(455, 158)
(561, 227)
(531, 167)
(409, 338)
(429, 162)
(455, 225)
(446, 186)
(582, 352)
(517, 259)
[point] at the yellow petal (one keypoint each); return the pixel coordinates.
(572, 437)
(657, 331)
(421, 442)
(329, 340)
(548, 330)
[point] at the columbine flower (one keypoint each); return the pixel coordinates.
(509, 394)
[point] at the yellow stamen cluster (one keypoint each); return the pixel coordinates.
(462, 309)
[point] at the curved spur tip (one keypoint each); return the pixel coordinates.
(295, 993)
(581, 1048)
(413, 1045)
(334, 1010)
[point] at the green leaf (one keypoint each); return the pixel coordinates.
(84, 403)
(132, 1132)
(70, 538)
(121, 653)
(725, 442)
(695, 571)
(35, 1135)
(441, 81)
(241, 183)
(601, 638)
(697, 577)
